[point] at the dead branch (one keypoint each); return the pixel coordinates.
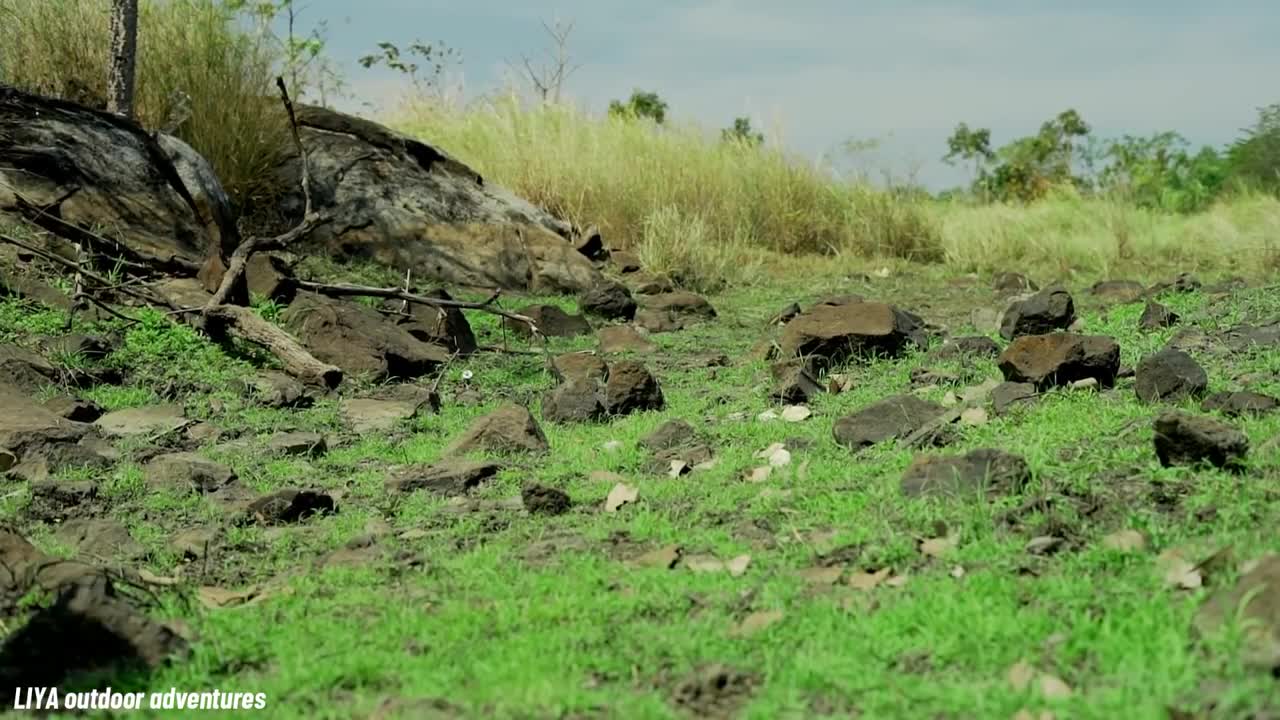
(310, 219)
(349, 290)
(548, 79)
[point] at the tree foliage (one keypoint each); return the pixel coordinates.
(641, 104)
(742, 132)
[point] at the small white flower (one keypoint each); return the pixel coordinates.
(466, 375)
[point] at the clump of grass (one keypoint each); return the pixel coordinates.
(640, 182)
(1069, 234)
(193, 48)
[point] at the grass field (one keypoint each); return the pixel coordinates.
(844, 598)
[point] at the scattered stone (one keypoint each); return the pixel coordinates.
(682, 304)
(631, 388)
(1192, 339)
(670, 434)
(1118, 291)
(510, 428)
(1007, 394)
(1183, 283)
(100, 538)
(187, 472)
(1048, 310)
(550, 320)
(578, 366)
(893, 417)
(1236, 404)
(1185, 439)
(288, 506)
(24, 369)
(975, 346)
(1252, 604)
(577, 400)
(832, 334)
(74, 409)
(611, 301)
(795, 381)
(1013, 282)
(269, 276)
(543, 500)
(982, 471)
(88, 347)
(7, 460)
(274, 389)
(1089, 383)
(195, 543)
(658, 321)
(625, 262)
(141, 421)
(444, 326)
(1156, 316)
(681, 459)
(985, 319)
(1244, 338)
(1060, 359)
(1169, 375)
(369, 415)
(927, 377)
(449, 477)
(54, 501)
(359, 340)
(309, 444)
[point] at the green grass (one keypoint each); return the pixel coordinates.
(506, 615)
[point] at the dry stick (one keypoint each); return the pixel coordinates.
(347, 289)
(87, 274)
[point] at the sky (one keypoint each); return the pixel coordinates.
(815, 74)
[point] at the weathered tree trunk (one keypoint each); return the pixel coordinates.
(124, 56)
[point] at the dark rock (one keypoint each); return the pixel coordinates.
(100, 538)
(359, 340)
(147, 420)
(685, 457)
(1244, 338)
(450, 477)
(88, 347)
(623, 339)
(574, 401)
(1060, 359)
(1236, 404)
(366, 415)
(274, 389)
(54, 501)
(682, 304)
(576, 366)
(1048, 310)
(609, 300)
(289, 506)
(590, 244)
(405, 204)
(27, 429)
(976, 346)
(24, 369)
(550, 320)
(982, 472)
(893, 417)
(73, 409)
(444, 326)
(510, 428)
(269, 276)
(658, 321)
(1169, 375)
(631, 388)
(1118, 291)
(309, 444)
(1185, 439)
(1156, 316)
(670, 434)
(832, 334)
(794, 382)
(187, 472)
(543, 500)
(1013, 282)
(1007, 394)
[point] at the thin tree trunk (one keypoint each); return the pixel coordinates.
(124, 55)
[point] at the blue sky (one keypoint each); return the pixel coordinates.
(822, 72)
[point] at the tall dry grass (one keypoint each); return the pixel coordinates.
(185, 47)
(688, 202)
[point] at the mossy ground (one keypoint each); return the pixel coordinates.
(479, 609)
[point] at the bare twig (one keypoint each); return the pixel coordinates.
(349, 290)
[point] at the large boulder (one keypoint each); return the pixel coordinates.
(359, 340)
(67, 166)
(408, 205)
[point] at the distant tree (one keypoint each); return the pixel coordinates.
(548, 77)
(124, 57)
(1158, 172)
(1255, 158)
(741, 131)
(970, 145)
(641, 104)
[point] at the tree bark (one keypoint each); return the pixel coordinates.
(124, 57)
